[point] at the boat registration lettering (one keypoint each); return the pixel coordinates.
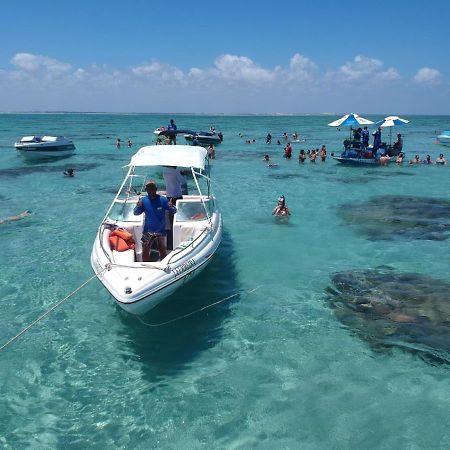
(183, 267)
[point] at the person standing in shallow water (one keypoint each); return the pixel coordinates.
(211, 151)
(172, 132)
(301, 156)
(281, 210)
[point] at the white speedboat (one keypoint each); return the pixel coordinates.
(139, 286)
(37, 147)
(444, 138)
(204, 137)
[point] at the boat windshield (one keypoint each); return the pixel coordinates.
(188, 210)
(122, 209)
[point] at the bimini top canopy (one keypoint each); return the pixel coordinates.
(170, 155)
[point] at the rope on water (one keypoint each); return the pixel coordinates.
(154, 325)
(32, 324)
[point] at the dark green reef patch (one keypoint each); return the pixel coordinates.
(393, 217)
(390, 309)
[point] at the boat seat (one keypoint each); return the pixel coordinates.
(125, 257)
(183, 233)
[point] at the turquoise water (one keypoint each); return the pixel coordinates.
(272, 368)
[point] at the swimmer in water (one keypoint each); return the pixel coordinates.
(20, 216)
(281, 210)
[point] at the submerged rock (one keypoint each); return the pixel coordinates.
(399, 217)
(392, 309)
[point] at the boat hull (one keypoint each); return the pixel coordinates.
(357, 161)
(163, 281)
(33, 152)
(444, 139)
(204, 139)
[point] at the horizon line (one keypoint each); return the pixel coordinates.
(281, 114)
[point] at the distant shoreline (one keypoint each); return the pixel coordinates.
(207, 114)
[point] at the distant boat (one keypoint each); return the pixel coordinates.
(444, 138)
(37, 147)
(204, 137)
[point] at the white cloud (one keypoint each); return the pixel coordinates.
(241, 68)
(229, 83)
(158, 70)
(426, 75)
(37, 63)
(388, 75)
(360, 67)
(301, 68)
(365, 69)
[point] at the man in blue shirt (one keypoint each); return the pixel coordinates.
(172, 132)
(376, 140)
(154, 206)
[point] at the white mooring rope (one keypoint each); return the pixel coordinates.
(154, 325)
(32, 324)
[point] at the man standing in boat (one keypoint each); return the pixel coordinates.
(154, 206)
(376, 140)
(364, 139)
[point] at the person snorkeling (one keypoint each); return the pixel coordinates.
(281, 210)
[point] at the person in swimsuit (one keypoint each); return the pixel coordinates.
(281, 210)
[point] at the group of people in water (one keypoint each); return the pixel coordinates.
(303, 155)
(119, 143)
(416, 160)
(285, 137)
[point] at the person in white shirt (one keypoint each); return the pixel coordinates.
(174, 180)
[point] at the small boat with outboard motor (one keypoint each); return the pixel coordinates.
(139, 286)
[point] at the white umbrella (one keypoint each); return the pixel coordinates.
(349, 120)
(391, 121)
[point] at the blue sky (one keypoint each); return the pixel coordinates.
(232, 57)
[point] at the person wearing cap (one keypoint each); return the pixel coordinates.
(281, 210)
(154, 206)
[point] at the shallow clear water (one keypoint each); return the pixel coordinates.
(272, 368)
